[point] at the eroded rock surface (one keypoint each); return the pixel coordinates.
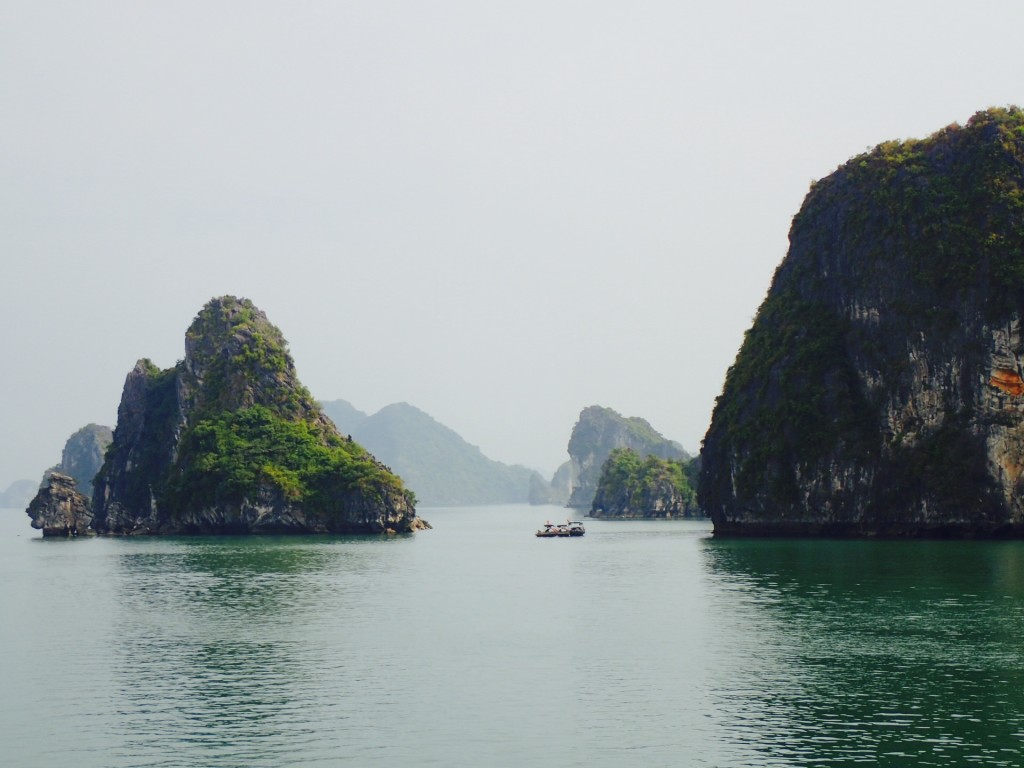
(58, 509)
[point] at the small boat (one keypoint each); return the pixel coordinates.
(568, 528)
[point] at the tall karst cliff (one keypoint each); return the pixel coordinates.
(879, 390)
(596, 434)
(228, 440)
(82, 456)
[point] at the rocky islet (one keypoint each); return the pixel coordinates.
(229, 441)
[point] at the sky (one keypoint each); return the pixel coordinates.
(498, 212)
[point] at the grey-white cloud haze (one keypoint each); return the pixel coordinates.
(498, 212)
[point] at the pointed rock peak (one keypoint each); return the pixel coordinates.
(234, 331)
(236, 358)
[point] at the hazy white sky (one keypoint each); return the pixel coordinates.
(499, 212)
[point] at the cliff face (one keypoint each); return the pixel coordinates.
(880, 390)
(228, 440)
(597, 433)
(58, 509)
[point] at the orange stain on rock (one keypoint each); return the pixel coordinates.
(1008, 381)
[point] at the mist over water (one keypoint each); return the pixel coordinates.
(643, 643)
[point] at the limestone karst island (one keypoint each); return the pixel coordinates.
(879, 390)
(227, 441)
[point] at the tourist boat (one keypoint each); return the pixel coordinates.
(568, 528)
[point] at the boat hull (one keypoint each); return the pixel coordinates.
(566, 530)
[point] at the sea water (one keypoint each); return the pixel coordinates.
(643, 643)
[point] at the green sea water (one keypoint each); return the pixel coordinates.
(477, 644)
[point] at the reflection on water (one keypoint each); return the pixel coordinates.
(644, 643)
(224, 649)
(882, 652)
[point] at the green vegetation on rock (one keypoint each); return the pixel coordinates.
(596, 434)
(224, 459)
(631, 485)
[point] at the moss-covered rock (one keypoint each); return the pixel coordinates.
(632, 486)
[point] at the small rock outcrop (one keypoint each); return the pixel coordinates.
(634, 487)
(59, 509)
(229, 441)
(597, 433)
(880, 389)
